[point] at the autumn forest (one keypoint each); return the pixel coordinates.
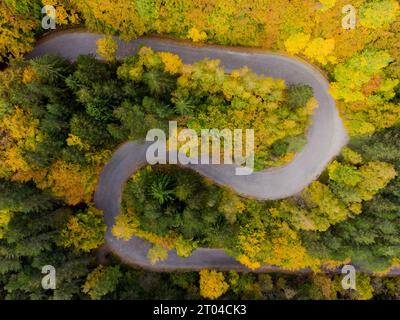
(62, 120)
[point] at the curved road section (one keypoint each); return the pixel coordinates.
(326, 136)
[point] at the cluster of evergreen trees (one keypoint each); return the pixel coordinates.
(372, 239)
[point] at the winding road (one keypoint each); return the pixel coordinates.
(326, 136)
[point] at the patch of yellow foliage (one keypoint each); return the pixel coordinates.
(297, 42)
(28, 75)
(5, 217)
(72, 182)
(317, 49)
(20, 133)
(84, 230)
(196, 35)
(16, 32)
(65, 13)
(74, 140)
(246, 261)
(320, 50)
(327, 4)
(127, 225)
(157, 253)
(287, 250)
(172, 63)
(212, 284)
(107, 48)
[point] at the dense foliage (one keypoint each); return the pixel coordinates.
(61, 121)
(363, 62)
(31, 240)
(204, 96)
(373, 238)
(176, 208)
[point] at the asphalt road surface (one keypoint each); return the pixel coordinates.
(325, 138)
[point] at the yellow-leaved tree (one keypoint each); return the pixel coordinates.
(101, 281)
(157, 253)
(19, 134)
(85, 230)
(66, 14)
(321, 50)
(327, 4)
(107, 48)
(379, 13)
(212, 284)
(72, 182)
(16, 31)
(196, 35)
(5, 217)
(297, 42)
(317, 49)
